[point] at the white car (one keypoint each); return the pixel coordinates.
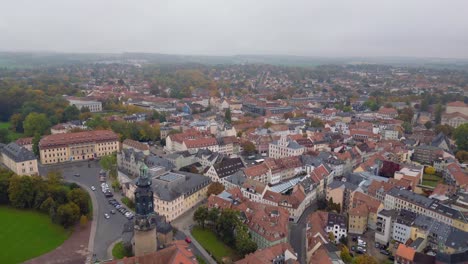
(107, 216)
(93, 188)
(103, 184)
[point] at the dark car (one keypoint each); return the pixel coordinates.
(108, 194)
(385, 252)
(188, 240)
(354, 239)
(76, 175)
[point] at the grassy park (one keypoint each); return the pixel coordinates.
(27, 234)
(212, 244)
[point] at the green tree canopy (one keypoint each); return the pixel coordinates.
(68, 214)
(461, 137)
(70, 113)
(36, 123)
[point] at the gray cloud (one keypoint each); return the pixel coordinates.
(420, 28)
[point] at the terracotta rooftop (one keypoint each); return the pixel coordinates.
(457, 104)
(62, 140)
(268, 255)
(135, 144)
(200, 142)
(405, 252)
(256, 170)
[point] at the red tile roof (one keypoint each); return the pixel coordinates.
(267, 255)
(62, 140)
(135, 144)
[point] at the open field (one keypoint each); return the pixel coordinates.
(27, 234)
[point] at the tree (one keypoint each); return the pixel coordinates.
(70, 113)
(16, 121)
(244, 244)
(248, 147)
(4, 135)
(406, 114)
(344, 240)
(19, 192)
(428, 124)
(446, 129)
(47, 205)
(227, 116)
(226, 224)
(345, 255)
(267, 124)
(85, 109)
(36, 123)
(215, 188)
(407, 127)
(5, 176)
(331, 236)
(200, 215)
(35, 144)
(462, 155)
(109, 163)
(80, 198)
(83, 220)
(115, 185)
(429, 170)
(364, 259)
(213, 215)
(461, 137)
(68, 214)
(438, 114)
(316, 122)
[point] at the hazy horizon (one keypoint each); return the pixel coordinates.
(323, 28)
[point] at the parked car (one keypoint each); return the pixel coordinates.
(108, 194)
(93, 188)
(76, 175)
(377, 245)
(107, 216)
(385, 252)
(112, 211)
(353, 248)
(188, 240)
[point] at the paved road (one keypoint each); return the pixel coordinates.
(297, 233)
(107, 230)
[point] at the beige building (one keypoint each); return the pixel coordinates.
(176, 193)
(18, 159)
(457, 107)
(358, 217)
(78, 146)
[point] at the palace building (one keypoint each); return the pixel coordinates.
(78, 146)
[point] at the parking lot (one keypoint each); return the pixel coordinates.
(107, 230)
(370, 247)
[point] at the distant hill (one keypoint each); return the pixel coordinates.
(38, 59)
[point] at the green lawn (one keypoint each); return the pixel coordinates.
(431, 180)
(12, 135)
(212, 244)
(118, 251)
(27, 234)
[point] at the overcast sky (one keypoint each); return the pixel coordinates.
(416, 28)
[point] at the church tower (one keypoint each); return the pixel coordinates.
(145, 218)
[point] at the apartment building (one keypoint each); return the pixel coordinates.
(403, 199)
(78, 146)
